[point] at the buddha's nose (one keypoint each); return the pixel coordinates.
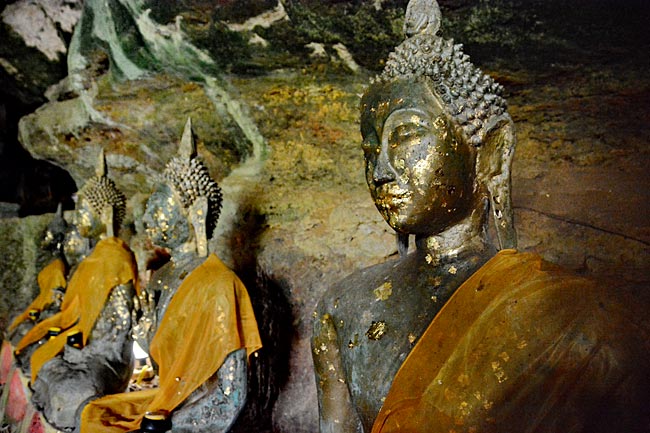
(383, 172)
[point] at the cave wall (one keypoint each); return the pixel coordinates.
(273, 91)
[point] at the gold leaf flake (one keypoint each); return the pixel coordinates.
(376, 330)
(384, 291)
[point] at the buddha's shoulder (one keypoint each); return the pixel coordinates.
(356, 286)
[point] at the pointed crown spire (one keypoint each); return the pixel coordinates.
(422, 17)
(100, 169)
(187, 147)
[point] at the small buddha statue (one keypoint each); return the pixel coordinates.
(457, 335)
(201, 326)
(51, 280)
(85, 350)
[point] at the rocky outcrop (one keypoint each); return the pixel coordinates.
(34, 48)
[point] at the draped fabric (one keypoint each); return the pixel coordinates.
(109, 265)
(525, 346)
(209, 316)
(51, 277)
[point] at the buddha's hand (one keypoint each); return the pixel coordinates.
(144, 317)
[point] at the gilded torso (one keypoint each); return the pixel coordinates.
(380, 312)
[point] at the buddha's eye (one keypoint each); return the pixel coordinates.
(408, 133)
(370, 142)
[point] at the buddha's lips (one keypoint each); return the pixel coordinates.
(392, 196)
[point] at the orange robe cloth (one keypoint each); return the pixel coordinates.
(109, 265)
(51, 277)
(209, 317)
(524, 346)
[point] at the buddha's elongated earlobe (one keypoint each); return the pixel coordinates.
(493, 169)
(107, 218)
(198, 217)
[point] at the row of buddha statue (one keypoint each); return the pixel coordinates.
(194, 317)
(461, 333)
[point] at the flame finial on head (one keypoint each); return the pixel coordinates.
(100, 168)
(187, 147)
(422, 17)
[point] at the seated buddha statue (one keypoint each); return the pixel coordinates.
(51, 280)
(85, 350)
(464, 333)
(200, 328)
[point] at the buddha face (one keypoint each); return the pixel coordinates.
(86, 221)
(75, 247)
(419, 170)
(165, 220)
(54, 238)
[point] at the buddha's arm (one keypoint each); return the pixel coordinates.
(110, 340)
(67, 383)
(144, 319)
(216, 404)
(336, 412)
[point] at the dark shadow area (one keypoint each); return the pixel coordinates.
(269, 367)
(545, 36)
(37, 186)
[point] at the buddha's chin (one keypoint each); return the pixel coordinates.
(405, 221)
(398, 220)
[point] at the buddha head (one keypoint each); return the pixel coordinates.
(54, 236)
(75, 247)
(186, 205)
(437, 140)
(100, 206)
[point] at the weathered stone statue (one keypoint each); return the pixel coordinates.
(85, 350)
(202, 326)
(51, 280)
(455, 336)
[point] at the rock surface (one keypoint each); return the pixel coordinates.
(34, 45)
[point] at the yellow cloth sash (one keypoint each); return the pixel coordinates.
(51, 277)
(109, 265)
(209, 317)
(521, 346)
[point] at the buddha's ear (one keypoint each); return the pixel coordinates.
(107, 218)
(494, 164)
(198, 217)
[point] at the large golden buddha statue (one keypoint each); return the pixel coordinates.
(86, 350)
(200, 329)
(455, 336)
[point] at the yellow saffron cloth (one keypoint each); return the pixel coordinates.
(209, 316)
(51, 277)
(109, 265)
(524, 346)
